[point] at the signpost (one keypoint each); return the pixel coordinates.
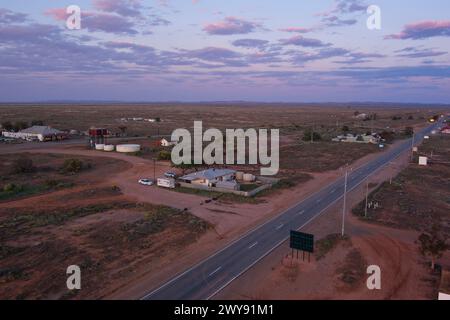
(303, 242)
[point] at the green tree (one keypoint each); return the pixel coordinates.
(37, 123)
(20, 125)
(315, 136)
(7, 125)
(433, 244)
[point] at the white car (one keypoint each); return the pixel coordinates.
(146, 182)
(170, 175)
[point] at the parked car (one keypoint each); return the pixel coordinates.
(170, 175)
(146, 182)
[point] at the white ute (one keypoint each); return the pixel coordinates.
(146, 182)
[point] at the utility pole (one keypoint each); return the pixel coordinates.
(367, 197)
(412, 147)
(312, 134)
(344, 207)
(154, 169)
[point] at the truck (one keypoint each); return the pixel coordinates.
(166, 183)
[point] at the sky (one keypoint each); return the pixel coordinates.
(234, 50)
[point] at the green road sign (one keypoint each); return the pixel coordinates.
(302, 241)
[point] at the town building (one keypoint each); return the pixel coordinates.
(446, 130)
(218, 178)
(37, 133)
(358, 138)
(166, 143)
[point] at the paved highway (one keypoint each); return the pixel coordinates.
(211, 275)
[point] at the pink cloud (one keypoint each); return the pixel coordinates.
(128, 8)
(297, 29)
(423, 30)
(231, 25)
(58, 14)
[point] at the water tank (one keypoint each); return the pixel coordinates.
(239, 175)
(109, 147)
(248, 177)
(99, 146)
(128, 148)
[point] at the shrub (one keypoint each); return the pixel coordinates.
(72, 166)
(23, 165)
(409, 131)
(9, 187)
(315, 135)
(164, 155)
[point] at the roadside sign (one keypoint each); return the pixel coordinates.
(302, 241)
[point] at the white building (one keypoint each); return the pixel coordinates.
(41, 133)
(219, 178)
(361, 116)
(358, 138)
(166, 143)
(444, 289)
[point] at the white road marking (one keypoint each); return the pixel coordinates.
(215, 271)
(280, 226)
(254, 244)
(301, 212)
(332, 191)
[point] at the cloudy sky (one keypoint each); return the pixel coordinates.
(210, 50)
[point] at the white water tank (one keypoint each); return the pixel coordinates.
(128, 148)
(109, 147)
(99, 146)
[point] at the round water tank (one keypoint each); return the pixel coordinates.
(128, 148)
(109, 147)
(99, 146)
(248, 177)
(239, 175)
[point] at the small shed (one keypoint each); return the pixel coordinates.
(423, 161)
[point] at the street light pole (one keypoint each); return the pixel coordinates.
(344, 207)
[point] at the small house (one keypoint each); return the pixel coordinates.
(219, 178)
(166, 143)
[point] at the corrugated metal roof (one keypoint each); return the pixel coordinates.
(209, 174)
(43, 130)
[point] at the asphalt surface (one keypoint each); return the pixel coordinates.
(208, 277)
